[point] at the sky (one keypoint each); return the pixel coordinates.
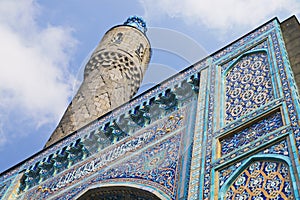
(46, 43)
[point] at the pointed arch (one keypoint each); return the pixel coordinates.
(266, 176)
(115, 188)
(234, 62)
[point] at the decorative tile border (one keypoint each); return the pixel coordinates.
(206, 175)
(195, 172)
(286, 81)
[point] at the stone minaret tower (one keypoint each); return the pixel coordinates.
(111, 77)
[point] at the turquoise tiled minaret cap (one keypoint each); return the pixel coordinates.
(137, 22)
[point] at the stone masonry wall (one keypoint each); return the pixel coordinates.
(291, 33)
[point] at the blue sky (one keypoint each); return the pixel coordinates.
(45, 44)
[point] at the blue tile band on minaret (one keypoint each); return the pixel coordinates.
(137, 22)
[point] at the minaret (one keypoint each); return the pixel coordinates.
(111, 77)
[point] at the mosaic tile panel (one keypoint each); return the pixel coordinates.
(248, 85)
(280, 148)
(156, 166)
(4, 187)
(104, 164)
(245, 119)
(247, 149)
(262, 180)
(251, 133)
(124, 148)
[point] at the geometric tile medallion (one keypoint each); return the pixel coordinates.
(248, 85)
(262, 180)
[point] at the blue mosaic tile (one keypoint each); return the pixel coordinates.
(256, 130)
(248, 86)
(280, 148)
(262, 180)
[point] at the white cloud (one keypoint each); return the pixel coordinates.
(34, 76)
(220, 14)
